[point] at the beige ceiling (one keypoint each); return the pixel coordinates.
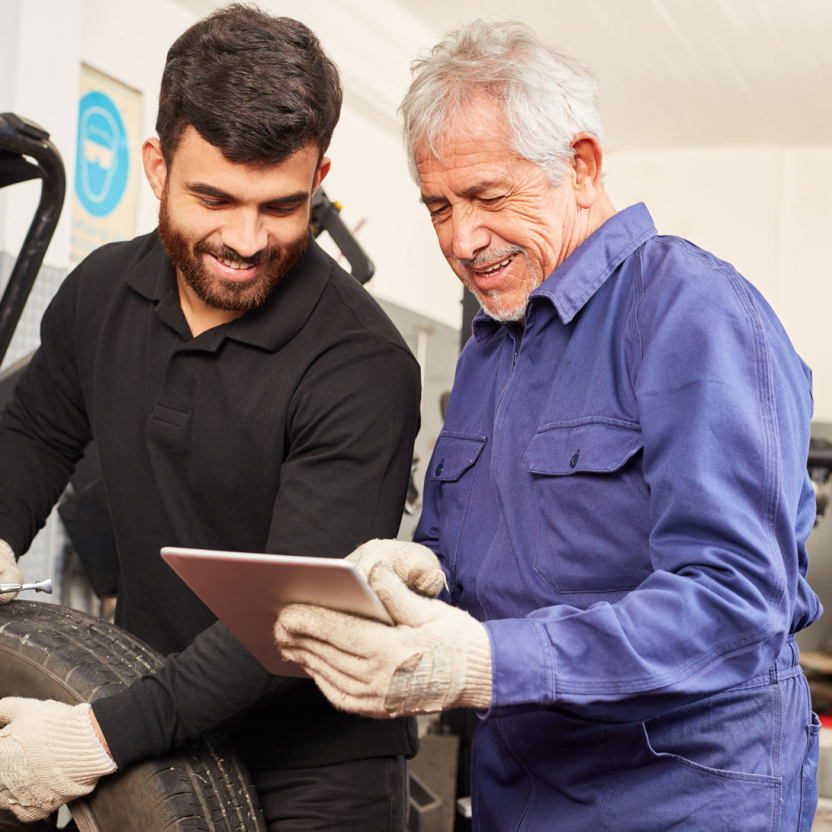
(675, 72)
(685, 71)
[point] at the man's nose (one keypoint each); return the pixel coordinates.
(245, 233)
(469, 234)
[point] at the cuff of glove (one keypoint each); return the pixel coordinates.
(90, 760)
(477, 692)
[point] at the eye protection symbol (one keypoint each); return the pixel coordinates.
(103, 155)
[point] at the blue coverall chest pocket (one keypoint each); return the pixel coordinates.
(454, 464)
(592, 505)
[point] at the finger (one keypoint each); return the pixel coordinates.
(405, 606)
(343, 690)
(5, 597)
(349, 633)
(370, 706)
(310, 652)
(10, 708)
(312, 621)
(366, 556)
(429, 582)
(422, 571)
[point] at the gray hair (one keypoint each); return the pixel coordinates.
(547, 97)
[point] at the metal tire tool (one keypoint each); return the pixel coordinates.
(38, 586)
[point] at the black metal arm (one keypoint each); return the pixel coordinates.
(326, 216)
(22, 141)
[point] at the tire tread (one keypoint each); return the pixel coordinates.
(205, 787)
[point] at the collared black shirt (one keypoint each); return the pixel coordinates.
(288, 430)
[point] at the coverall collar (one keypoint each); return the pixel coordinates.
(580, 276)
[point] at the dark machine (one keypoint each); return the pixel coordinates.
(25, 154)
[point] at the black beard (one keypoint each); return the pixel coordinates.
(214, 291)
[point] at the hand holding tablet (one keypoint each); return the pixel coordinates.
(245, 591)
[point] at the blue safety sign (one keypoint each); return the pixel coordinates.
(103, 158)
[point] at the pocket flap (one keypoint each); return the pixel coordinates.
(455, 453)
(592, 446)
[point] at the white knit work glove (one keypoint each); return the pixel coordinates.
(415, 564)
(49, 755)
(9, 571)
(438, 657)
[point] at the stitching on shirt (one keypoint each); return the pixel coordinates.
(338, 290)
(769, 418)
(522, 759)
(766, 402)
(647, 684)
(624, 424)
(547, 655)
(379, 341)
(639, 285)
(612, 772)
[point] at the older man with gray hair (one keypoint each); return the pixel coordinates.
(618, 500)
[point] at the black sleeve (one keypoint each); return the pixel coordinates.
(44, 429)
(353, 423)
(215, 679)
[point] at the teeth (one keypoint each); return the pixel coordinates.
(498, 266)
(236, 264)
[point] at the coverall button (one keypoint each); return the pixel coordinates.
(439, 468)
(574, 461)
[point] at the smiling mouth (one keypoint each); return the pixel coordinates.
(495, 268)
(236, 270)
(236, 264)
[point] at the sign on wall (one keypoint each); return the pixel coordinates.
(107, 163)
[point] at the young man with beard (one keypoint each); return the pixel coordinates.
(245, 393)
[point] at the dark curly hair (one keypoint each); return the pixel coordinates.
(256, 87)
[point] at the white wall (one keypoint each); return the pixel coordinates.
(39, 72)
(767, 210)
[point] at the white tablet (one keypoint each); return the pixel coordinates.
(245, 591)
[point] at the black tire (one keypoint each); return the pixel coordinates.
(52, 652)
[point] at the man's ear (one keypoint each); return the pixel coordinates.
(586, 163)
(321, 172)
(155, 168)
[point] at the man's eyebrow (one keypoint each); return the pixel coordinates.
(209, 190)
(471, 190)
(479, 187)
(299, 196)
(204, 189)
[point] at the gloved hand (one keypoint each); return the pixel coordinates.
(415, 564)
(438, 657)
(9, 571)
(49, 755)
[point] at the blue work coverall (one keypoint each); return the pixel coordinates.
(620, 493)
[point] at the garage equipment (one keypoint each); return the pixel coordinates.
(326, 216)
(25, 154)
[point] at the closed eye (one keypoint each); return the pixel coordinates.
(282, 210)
(213, 203)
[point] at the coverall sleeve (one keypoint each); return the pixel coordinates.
(344, 482)
(724, 415)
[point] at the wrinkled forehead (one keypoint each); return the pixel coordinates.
(478, 130)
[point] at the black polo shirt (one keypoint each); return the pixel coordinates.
(288, 430)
